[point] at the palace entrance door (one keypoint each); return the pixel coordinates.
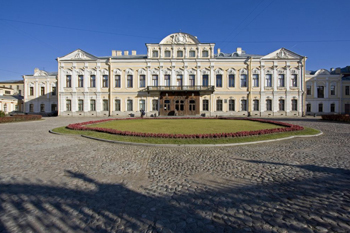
(179, 104)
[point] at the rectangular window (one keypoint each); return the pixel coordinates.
(332, 89)
(281, 105)
(320, 107)
(243, 105)
(255, 80)
(155, 80)
(231, 80)
(92, 81)
(68, 81)
(80, 81)
(308, 107)
(92, 105)
(31, 107)
(347, 90)
(42, 90)
(179, 80)
(31, 91)
(192, 53)
(218, 105)
(294, 105)
(268, 105)
(68, 105)
(231, 105)
(80, 105)
(105, 105)
(42, 107)
(243, 80)
(105, 81)
(8, 92)
(167, 80)
(281, 80)
(205, 105)
(205, 80)
(142, 80)
(192, 80)
(117, 105)
(205, 53)
(218, 80)
(129, 105)
(142, 105)
(294, 80)
(167, 53)
(180, 53)
(255, 105)
(130, 81)
(268, 80)
(332, 107)
(320, 92)
(53, 90)
(154, 53)
(117, 81)
(308, 90)
(154, 105)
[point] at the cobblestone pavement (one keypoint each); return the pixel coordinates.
(55, 183)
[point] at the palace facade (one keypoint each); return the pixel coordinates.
(181, 76)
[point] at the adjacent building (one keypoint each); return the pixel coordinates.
(11, 96)
(178, 76)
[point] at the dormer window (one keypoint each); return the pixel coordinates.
(205, 53)
(154, 53)
(167, 53)
(180, 53)
(192, 53)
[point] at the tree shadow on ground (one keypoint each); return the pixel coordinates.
(298, 205)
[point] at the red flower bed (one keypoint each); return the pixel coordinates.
(20, 118)
(287, 127)
(340, 118)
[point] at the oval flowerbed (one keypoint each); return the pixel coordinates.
(285, 127)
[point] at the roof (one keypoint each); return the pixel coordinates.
(12, 81)
(10, 97)
(236, 55)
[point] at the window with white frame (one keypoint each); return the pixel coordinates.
(268, 78)
(332, 107)
(42, 107)
(68, 105)
(180, 53)
(281, 80)
(117, 81)
(142, 80)
(243, 80)
(205, 53)
(231, 105)
(167, 80)
(129, 81)
(205, 80)
(294, 105)
(53, 90)
(80, 105)
(281, 105)
(192, 80)
(142, 105)
(81, 81)
(308, 90)
(255, 105)
(192, 53)
(332, 89)
(154, 53)
(320, 91)
(320, 107)
(105, 81)
(154, 105)
(167, 53)
(255, 80)
(218, 80)
(68, 81)
(218, 105)
(179, 80)
(205, 105)
(294, 80)
(129, 106)
(308, 107)
(155, 80)
(243, 105)
(268, 105)
(105, 105)
(117, 105)
(31, 91)
(92, 105)
(42, 90)
(31, 108)
(231, 80)
(92, 81)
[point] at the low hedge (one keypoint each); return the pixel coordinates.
(340, 118)
(20, 118)
(286, 128)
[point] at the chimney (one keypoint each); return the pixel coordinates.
(239, 51)
(133, 52)
(219, 51)
(119, 53)
(114, 53)
(126, 52)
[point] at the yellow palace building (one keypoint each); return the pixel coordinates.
(181, 76)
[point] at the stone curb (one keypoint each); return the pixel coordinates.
(198, 145)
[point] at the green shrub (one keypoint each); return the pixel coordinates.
(20, 118)
(2, 114)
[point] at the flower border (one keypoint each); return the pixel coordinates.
(287, 128)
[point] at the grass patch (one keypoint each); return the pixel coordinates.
(185, 126)
(64, 130)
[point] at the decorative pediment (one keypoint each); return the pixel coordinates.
(104, 72)
(243, 71)
(256, 71)
(282, 54)
(180, 38)
(219, 71)
(154, 71)
(38, 72)
(142, 71)
(129, 71)
(79, 72)
(78, 55)
(231, 71)
(167, 71)
(192, 71)
(205, 71)
(322, 72)
(117, 71)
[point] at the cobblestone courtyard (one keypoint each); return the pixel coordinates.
(54, 183)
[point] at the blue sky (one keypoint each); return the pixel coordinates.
(34, 33)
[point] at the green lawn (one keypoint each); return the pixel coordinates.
(185, 126)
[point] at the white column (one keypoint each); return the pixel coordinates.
(198, 77)
(173, 77)
(98, 81)
(315, 89)
(161, 77)
(86, 80)
(288, 79)
(212, 83)
(185, 78)
(326, 90)
(149, 77)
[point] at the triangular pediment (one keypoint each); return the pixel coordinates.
(282, 54)
(79, 55)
